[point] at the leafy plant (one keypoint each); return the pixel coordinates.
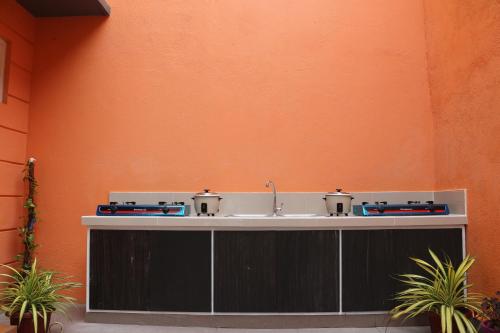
(442, 290)
(34, 291)
(491, 310)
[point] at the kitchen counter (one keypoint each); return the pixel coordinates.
(272, 223)
(207, 271)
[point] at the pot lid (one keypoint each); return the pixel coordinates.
(206, 193)
(338, 193)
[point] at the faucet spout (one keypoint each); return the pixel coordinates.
(276, 210)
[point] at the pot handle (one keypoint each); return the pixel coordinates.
(324, 198)
(192, 198)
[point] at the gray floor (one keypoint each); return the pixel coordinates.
(78, 325)
(101, 328)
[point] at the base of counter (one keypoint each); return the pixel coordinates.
(262, 321)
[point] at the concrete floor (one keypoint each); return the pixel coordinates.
(101, 328)
(77, 325)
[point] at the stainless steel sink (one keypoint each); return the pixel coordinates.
(269, 215)
(299, 215)
(250, 215)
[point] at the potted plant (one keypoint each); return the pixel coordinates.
(440, 293)
(29, 297)
(491, 310)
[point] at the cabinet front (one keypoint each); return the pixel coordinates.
(140, 270)
(372, 260)
(276, 271)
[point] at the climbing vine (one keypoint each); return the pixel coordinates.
(27, 231)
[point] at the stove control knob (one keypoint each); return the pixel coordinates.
(113, 203)
(364, 203)
(113, 209)
(383, 202)
(430, 202)
(130, 202)
(162, 203)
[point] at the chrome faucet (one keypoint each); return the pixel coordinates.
(276, 210)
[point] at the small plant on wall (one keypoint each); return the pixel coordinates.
(28, 295)
(440, 293)
(27, 232)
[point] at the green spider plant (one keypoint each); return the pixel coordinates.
(34, 291)
(442, 290)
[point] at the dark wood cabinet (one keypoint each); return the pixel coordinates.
(257, 271)
(276, 271)
(150, 270)
(371, 259)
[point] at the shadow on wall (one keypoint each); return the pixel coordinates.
(77, 32)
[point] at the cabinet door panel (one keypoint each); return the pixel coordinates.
(276, 271)
(150, 270)
(180, 271)
(372, 259)
(119, 263)
(307, 271)
(245, 272)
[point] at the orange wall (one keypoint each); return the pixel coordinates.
(18, 28)
(464, 70)
(182, 95)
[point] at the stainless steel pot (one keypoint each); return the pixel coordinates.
(338, 203)
(206, 203)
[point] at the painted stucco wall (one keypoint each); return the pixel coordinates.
(464, 74)
(17, 27)
(183, 95)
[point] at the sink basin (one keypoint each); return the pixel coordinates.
(267, 215)
(299, 215)
(250, 215)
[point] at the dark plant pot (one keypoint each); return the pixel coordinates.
(26, 325)
(485, 328)
(435, 321)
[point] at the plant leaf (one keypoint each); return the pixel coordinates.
(44, 317)
(35, 317)
(21, 312)
(458, 321)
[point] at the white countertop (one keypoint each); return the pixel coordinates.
(272, 223)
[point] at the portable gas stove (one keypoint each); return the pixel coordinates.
(411, 208)
(130, 208)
